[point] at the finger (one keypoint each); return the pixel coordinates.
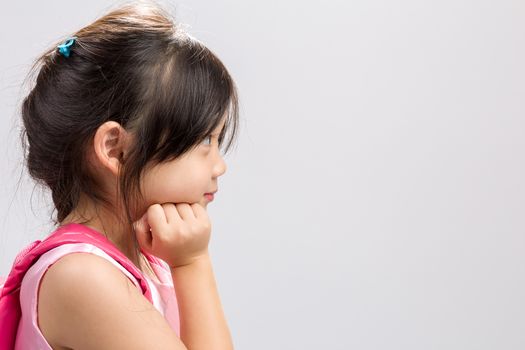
(172, 215)
(199, 211)
(185, 211)
(156, 218)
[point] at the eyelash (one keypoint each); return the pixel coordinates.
(209, 137)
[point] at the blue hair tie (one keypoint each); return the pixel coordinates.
(65, 48)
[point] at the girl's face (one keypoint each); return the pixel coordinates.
(188, 178)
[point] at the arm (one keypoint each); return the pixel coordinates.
(203, 325)
(179, 233)
(86, 303)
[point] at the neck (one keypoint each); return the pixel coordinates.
(107, 223)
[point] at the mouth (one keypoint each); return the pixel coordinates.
(210, 195)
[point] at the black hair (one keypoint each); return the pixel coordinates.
(135, 66)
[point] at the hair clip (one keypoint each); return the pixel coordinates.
(65, 48)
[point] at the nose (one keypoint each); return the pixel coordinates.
(219, 167)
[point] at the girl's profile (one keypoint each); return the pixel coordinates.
(126, 125)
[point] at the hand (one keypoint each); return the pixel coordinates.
(177, 233)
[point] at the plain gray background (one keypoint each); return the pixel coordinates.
(376, 197)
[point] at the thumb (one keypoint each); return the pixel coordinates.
(143, 233)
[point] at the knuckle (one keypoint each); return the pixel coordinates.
(163, 238)
(184, 230)
(153, 208)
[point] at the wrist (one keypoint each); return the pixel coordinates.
(205, 257)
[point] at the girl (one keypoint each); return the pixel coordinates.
(125, 125)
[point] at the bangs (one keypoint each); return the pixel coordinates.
(186, 96)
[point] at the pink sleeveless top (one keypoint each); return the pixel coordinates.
(29, 335)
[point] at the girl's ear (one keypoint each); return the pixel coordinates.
(110, 145)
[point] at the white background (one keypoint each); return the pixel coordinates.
(375, 198)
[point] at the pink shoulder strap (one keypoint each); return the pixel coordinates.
(10, 311)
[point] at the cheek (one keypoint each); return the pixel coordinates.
(163, 189)
(175, 186)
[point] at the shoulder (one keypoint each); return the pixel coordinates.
(80, 285)
(81, 268)
(84, 301)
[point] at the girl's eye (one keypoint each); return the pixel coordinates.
(207, 140)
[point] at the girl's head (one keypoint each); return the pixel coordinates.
(135, 115)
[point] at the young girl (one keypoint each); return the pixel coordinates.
(125, 125)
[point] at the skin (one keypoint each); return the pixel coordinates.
(172, 224)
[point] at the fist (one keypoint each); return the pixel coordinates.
(177, 233)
